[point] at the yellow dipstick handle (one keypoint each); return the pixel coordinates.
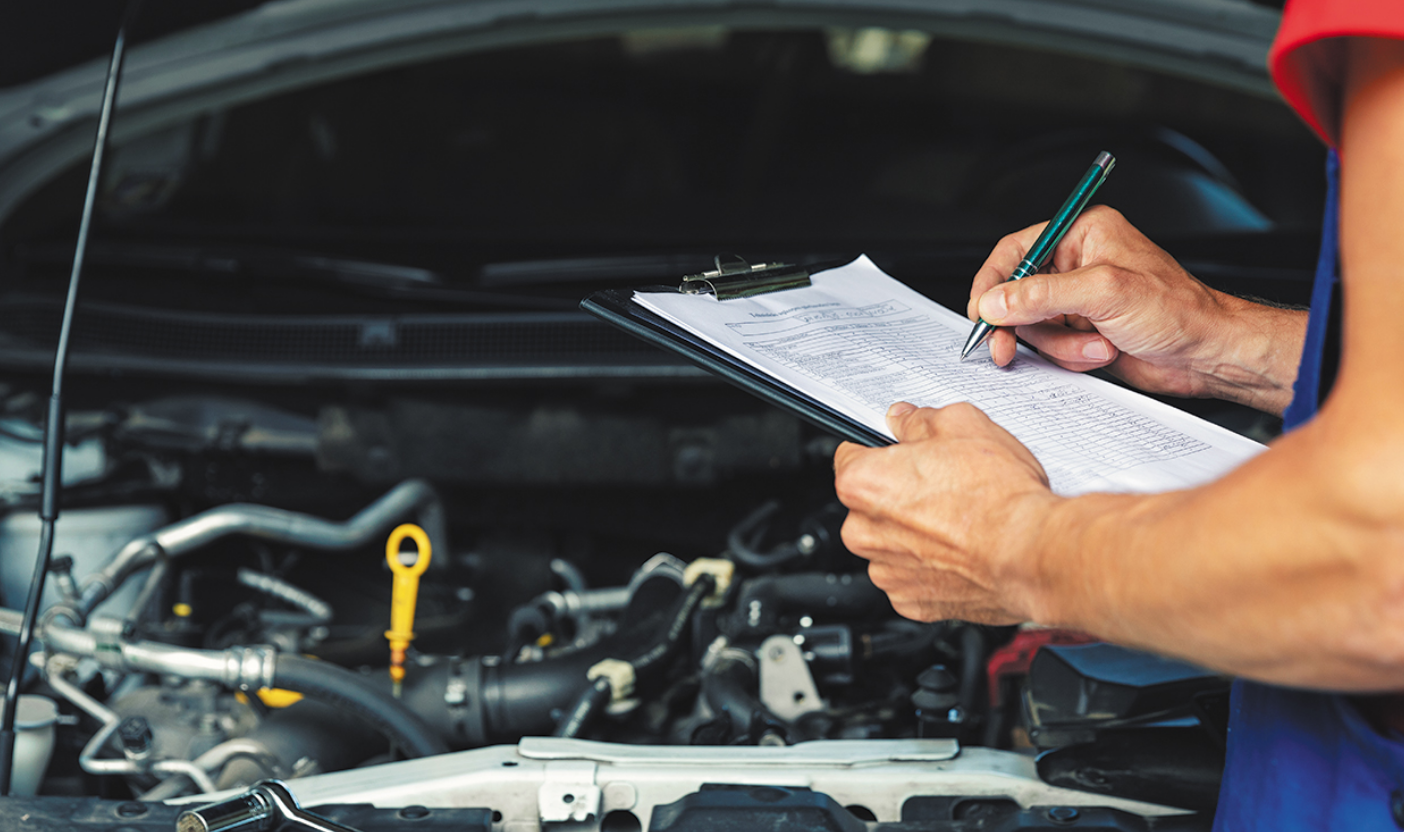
(402, 599)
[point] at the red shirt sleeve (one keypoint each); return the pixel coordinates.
(1306, 57)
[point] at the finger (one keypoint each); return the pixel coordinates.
(1095, 292)
(860, 536)
(1070, 348)
(846, 454)
(1003, 347)
(860, 480)
(897, 411)
(1002, 261)
(1090, 235)
(913, 424)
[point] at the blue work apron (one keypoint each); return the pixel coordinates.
(1299, 760)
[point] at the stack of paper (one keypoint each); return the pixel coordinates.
(858, 341)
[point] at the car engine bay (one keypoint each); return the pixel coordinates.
(331, 338)
(758, 652)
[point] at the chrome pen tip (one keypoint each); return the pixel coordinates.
(977, 337)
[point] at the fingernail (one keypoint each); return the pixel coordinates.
(900, 409)
(1096, 350)
(993, 307)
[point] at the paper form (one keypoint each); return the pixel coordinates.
(859, 341)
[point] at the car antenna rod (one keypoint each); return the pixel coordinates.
(52, 467)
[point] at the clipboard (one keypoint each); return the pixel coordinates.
(732, 278)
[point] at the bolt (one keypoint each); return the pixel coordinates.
(1062, 814)
(568, 798)
(130, 809)
(135, 734)
(414, 812)
(807, 544)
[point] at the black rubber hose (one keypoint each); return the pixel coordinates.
(742, 540)
(972, 668)
(666, 647)
(588, 705)
(504, 702)
(597, 693)
(762, 601)
(353, 694)
(727, 688)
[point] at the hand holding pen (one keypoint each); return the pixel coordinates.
(1038, 256)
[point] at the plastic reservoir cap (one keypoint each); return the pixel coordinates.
(34, 743)
(34, 712)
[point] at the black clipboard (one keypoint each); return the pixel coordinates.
(617, 307)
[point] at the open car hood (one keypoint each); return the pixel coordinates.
(46, 124)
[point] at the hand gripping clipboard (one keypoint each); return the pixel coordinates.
(730, 280)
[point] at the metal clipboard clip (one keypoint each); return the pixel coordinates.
(735, 278)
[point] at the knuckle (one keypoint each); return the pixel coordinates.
(1104, 275)
(852, 486)
(855, 534)
(1104, 213)
(964, 416)
(1030, 296)
(961, 410)
(883, 577)
(1014, 240)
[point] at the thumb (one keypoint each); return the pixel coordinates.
(1087, 292)
(907, 422)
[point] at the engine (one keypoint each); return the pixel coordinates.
(227, 612)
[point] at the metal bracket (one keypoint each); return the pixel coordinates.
(569, 792)
(786, 686)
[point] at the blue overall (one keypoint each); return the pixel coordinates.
(1299, 760)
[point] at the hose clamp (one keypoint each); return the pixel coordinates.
(250, 668)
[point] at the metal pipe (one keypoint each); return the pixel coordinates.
(243, 668)
(10, 621)
(318, 611)
(214, 759)
(88, 758)
(265, 523)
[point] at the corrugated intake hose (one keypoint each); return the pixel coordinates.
(356, 695)
(477, 702)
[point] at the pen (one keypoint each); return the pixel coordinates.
(1051, 236)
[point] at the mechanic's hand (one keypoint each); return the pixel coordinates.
(947, 516)
(1112, 299)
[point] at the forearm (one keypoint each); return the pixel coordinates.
(1290, 570)
(1256, 349)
